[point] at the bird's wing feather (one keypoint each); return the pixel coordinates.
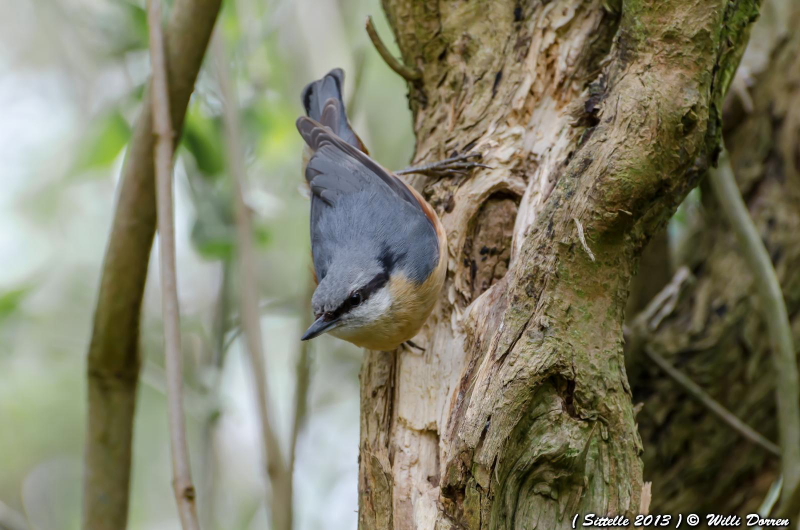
(337, 167)
(344, 181)
(315, 97)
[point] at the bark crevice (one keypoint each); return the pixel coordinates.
(606, 118)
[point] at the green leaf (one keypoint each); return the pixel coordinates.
(104, 142)
(213, 240)
(213, 232)
(11, 300)
(128, 30)
(262, 235)
(202, 137)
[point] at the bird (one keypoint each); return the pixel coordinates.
(379, 249)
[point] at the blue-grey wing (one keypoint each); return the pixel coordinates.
(337, 167)
(318, 93)
(359, 208)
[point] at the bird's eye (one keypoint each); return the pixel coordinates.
(355, 298)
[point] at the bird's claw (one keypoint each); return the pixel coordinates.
(458, 165)
(409, 345)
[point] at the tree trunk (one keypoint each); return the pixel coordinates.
(716, 334)
(597, 118)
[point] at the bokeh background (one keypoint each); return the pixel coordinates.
(72, 74)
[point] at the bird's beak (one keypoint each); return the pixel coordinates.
(319, 327)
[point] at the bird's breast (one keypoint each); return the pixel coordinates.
(411, 306)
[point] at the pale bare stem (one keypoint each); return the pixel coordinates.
(771, 499)
(162, 128)
(280, 501)
(776, 317)
(113, 361)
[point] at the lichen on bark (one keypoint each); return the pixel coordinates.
(595, 117)
(716, 334)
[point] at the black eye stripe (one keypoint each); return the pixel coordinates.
(365, 292)
(374, 284)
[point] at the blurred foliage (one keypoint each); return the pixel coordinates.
(202, 136)
(72, 76)
(107, 137)
(11, 300)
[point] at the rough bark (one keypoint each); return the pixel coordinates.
(114, 361)
(716, 334)
(597, 116)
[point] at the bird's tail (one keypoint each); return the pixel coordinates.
(317, 96)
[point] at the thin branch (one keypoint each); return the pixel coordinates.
(406, 72)
(713, 405)
(114, 361)
(162, 128)
(772, 497)
(648, 321)
(280, 503)
(663, 304)
(788, 507)
(776, 317)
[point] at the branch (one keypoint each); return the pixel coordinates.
(723, 183)
(162, 128)
(280, 503)
(648, 320)
(713, 405)
(113, 360)
(769, 501)
(406, 72)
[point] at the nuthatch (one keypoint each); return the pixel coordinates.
(379, 249)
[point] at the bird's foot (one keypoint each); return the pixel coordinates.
(410, 346)
(458, 165)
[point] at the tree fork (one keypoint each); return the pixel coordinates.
(593, 115)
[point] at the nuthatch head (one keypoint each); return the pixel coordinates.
(378, 247)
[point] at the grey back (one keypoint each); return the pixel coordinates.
(362, 214)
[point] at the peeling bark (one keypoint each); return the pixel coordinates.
(593, 114)
(716, 334)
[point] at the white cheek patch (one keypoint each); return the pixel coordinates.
(373, 309)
